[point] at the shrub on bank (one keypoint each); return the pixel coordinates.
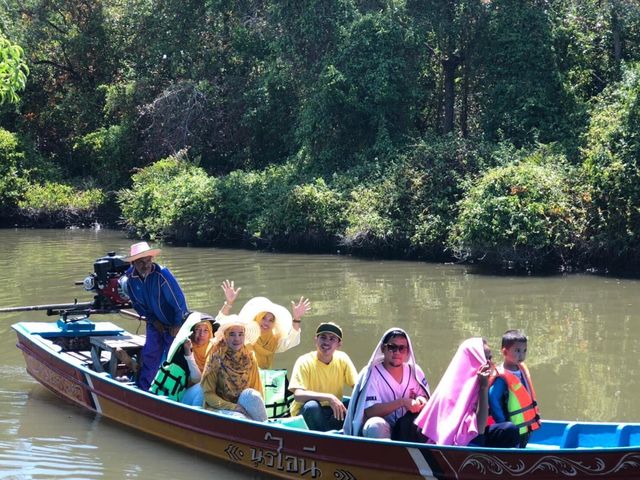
(105, 155)
(373, 225)
(408, 210)
(612, 166)
(13, 182)
(527, 215)
(243, 197)
(171, 199)
(276, 208)
(308, 216)
(59, 205)
(176, 201)
(432, 178)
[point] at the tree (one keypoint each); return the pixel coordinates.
(613, 167)
(591, 40)
(524, 100)
(71, 58)
(13, 70)
(449, 30)
(363, 103)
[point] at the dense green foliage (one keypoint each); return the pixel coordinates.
(52, 197)
(613, 168)
(170, 199)
(409, 210)
(391, 128)
(526, 215)
(525, 99)
(12, 178)
(59, 205)
(13, 70)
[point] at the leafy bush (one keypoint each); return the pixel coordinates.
(105, 155)
(174, 200)
(310, 215)
(275, 208)
(57, 204)
(612, 167)
(13, 180)
(51, 197)
(372, 222)
(524, 215)
(432, 178)
(170, 199)
(240, 199)
(408, 209)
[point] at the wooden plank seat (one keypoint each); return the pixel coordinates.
(100, 345)
(85, 358)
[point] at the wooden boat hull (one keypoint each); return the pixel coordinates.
(294, 453)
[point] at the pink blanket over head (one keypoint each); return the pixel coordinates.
(449, 418)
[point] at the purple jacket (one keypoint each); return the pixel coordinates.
(158, 296)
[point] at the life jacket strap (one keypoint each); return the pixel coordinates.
(533, 404)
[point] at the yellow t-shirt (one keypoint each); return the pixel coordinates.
(309, 373)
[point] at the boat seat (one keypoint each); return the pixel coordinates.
(586, 435)
(292, 422)
(627, 435)
(100, 345)
(84, 357)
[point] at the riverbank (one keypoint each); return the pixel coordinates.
(445, 199)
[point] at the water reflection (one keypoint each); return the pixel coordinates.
(56, 440)
(584, 335)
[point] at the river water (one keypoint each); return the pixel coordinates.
(584, 338)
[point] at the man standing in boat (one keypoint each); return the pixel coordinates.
(155, 295)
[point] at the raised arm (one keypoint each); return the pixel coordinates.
(195, 375)
(298, 310)
(230, 295)
(482, 412)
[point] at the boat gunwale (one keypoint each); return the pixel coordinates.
(105, 377)
(345, 456)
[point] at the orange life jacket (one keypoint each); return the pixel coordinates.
(522, 408)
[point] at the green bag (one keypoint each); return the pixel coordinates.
(275, 389)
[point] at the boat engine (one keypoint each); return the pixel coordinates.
(107, 271)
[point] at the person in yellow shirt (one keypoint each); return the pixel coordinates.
(318, 380)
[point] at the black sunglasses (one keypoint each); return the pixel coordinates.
(392, 347)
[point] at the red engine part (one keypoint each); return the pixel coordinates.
(112, 292)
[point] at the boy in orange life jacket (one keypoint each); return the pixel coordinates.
(511, 395)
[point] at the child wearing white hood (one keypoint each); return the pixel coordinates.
(390, 391)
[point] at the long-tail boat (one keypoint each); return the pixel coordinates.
(74, 360)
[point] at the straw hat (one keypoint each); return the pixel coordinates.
(257, 305)
(251, 329)
(141, 250)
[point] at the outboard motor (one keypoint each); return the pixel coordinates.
(104, 281)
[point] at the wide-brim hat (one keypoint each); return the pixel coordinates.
(257, 305)
(185, 332)
(251, 328)
(141, 250)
